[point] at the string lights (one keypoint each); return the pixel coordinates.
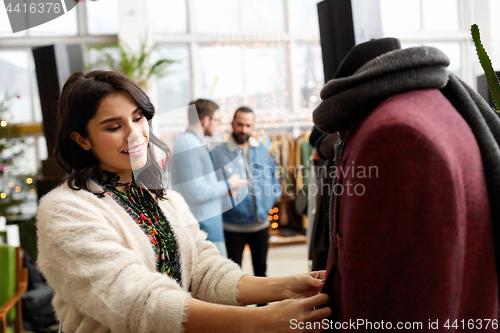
(274, 217)
(271, 103)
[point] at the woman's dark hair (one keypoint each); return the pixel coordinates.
(79, 101)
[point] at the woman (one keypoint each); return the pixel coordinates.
(122, 254)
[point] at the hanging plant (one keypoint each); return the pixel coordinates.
(119, 57)
(484, 59)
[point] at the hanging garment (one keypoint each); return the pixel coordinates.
(416, 241)
(323, 172)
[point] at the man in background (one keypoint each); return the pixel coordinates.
(247, 221)
(193, 174)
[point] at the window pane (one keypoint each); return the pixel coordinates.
(27, 162)
(266, 78)
(222, 76)
(35, 95)
(255, 76)
(15, 79)
(42, 148)
(173, 89)
(408, 45)
(97, 59)
(5, 28)
(36, 98)
(304, 16)
(167, 15)
(309, 66)
(102, 17)
(400, 16)
(216, 16)
(262, 15)
(453, 51)
(440, 15)
(63, 25)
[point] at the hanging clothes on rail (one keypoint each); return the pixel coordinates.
(321, 181)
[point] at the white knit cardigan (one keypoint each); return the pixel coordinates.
(102, 268)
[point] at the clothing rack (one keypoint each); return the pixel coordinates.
(292, 157)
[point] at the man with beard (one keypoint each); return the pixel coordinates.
(246, 217)
(193, 175)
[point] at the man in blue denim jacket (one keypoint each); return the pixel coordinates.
(193, 174)
(246, 214)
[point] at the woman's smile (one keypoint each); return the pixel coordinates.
(135, 151)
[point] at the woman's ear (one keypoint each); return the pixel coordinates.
(84, 143)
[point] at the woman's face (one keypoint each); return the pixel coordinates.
(118, 136)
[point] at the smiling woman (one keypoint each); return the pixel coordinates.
(107, 115)
(130, 256)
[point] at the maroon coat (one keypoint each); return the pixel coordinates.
(414, 238)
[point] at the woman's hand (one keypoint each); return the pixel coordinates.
(304, 285)
(255, 290)
(296, 315)
(292, 315)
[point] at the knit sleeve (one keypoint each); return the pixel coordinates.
(214, 278)
(97, 273)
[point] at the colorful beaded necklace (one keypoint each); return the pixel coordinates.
(141, 206)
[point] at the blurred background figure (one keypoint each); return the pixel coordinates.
(247, 221)
(193, 172)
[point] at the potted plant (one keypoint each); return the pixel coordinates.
(484, 59)
(119, 57)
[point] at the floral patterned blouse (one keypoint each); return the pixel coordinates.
(142, 207)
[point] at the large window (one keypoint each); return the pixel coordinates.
(443, 24)
(17, 78)
(18, 75)
(303, 16)
(173, 89)
(309, 65)
(167, 15)
(253, 75)
(64, 25)
(18, 81)
(102, 17)
(261, 53)
(419, 15)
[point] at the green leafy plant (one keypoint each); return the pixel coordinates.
(484, 59)
(119, 57)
